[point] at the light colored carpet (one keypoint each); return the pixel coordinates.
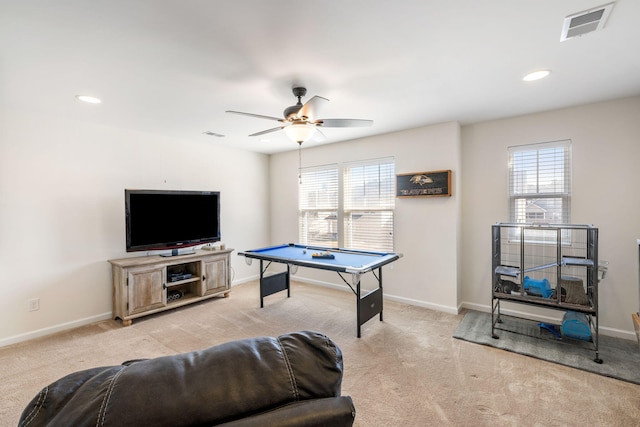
(621, 358)
(405, 371)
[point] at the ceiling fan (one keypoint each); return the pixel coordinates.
(301, 121)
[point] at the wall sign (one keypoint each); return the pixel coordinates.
(424, 184)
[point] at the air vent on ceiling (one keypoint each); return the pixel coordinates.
(585, 22)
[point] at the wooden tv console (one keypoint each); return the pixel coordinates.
(151, 284)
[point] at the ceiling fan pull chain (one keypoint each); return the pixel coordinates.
(300, 162)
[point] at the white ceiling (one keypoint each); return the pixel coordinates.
(173, 67)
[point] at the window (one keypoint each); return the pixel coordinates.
(349, 205)
(368, 204)
(540, 183)
(318, 206)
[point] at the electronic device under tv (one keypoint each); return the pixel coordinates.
(169, 219)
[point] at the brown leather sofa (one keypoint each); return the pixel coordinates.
(291, 380)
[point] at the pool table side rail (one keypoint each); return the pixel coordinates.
(381, 258)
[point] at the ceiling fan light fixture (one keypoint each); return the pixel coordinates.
(88, 99)
(536, 75)
(299, 132)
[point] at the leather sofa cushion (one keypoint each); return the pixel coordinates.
(221, 384)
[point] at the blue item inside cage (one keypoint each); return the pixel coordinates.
(576, 325)
(551, 328)
(541, 288)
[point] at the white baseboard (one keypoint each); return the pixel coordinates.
(245, 280)
(424, 304)
(53, 329)
(324, 284)
(408, 301)
(74, 324)
(610, 332)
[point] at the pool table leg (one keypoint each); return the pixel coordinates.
(370, 304)
(380, 287)
(358, 307)
(274, 283)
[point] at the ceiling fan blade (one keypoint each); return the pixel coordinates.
(267, 131)
(312, 107)
(318, 136)
(260, 116)
(343, 123)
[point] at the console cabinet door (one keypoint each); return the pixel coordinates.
(146, 289)
(216, 275)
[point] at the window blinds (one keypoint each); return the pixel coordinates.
(540, 183)
(318, 206)
(369, 202)
(349, 205)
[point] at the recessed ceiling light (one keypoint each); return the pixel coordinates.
(89, 99)
(536, 75)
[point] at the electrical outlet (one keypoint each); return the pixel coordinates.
(34, 304)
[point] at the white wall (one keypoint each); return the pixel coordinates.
(62, 211)
(62, 207)
(426, 229)
(606, 148)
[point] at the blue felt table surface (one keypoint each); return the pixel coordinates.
(343, 258)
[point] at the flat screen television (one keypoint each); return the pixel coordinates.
(165, 219)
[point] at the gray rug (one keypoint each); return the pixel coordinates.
(621, 358)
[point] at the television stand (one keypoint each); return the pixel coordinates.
(151, 284)
(174, 252)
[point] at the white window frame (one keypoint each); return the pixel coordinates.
(365, 205)
(368, 204)
(539, 178)
(318, 196)
(540, 173)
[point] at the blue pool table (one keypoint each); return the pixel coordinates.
(342, 261)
